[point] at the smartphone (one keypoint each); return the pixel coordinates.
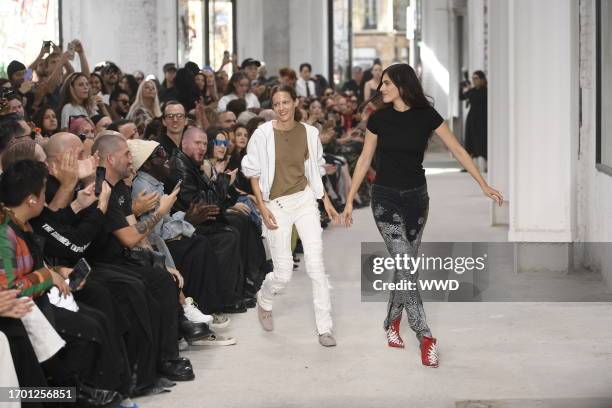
(80, 272)
(28, 74)
(178, 185)
(100, 177)
(48, 44)
(71, 48)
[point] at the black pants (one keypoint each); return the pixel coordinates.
(164, 306)
(400, 216)
(225, 241)
(94, 351)
(252, 252)
(209, 285)
(138, 307)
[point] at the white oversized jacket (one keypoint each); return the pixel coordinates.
(259, 160)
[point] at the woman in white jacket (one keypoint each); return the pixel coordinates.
(284, 161)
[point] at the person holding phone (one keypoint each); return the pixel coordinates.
(123, 242)
(284, 162)
(398, 134)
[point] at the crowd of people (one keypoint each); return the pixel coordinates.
(139, 179)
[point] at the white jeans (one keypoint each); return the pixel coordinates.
(302, 210)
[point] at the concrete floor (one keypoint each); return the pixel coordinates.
(488, 351)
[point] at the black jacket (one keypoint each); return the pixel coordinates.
(195, 187)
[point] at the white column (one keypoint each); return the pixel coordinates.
(543, 119)
(308, 35)
(475, 21)
(250, 30)
(137, 34)
(498, 107)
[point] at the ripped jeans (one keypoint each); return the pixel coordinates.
(301, 209)
(400, 216)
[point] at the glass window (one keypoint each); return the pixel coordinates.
(221, 31)
(370, 14)
(191, 32)
(341, 41)
(40, 17)
(399, 14)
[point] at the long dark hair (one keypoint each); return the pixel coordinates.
(186, 88)
(237, 77)
(297, 116)
(481, 75)
(39, 117)
(408, 84)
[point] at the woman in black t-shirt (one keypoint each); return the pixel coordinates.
(397, 134)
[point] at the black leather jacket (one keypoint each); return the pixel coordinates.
(196, 186)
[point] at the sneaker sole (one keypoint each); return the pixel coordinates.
(213, 343)
(219, 325)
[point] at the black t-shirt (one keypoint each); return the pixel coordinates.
(107, 247)
(402, 140)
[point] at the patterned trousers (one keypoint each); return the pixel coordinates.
(400, 216)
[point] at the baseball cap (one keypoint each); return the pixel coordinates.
(171, 66)
(249, 61)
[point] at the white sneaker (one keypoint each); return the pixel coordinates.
(193, 314)
(214, 340)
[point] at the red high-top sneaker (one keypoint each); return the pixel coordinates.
(429, 351)
(393, 334)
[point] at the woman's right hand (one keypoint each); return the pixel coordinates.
(268, 217)
(347, 214)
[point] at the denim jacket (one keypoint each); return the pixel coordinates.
(168, 227)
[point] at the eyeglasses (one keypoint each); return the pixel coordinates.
(173, 116)
(220, 142)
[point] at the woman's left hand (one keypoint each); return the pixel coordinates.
(331, 212)
(493, 194)
(232, 174)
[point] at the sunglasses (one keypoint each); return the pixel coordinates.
(220, 142)
(159, 152)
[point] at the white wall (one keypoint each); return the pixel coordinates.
(308, 35)
(435, 53)
(249, 29)
(594, 222)
(476, 35)
(543, 119)
(284, 33)
(498, 107)
(136, 34)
